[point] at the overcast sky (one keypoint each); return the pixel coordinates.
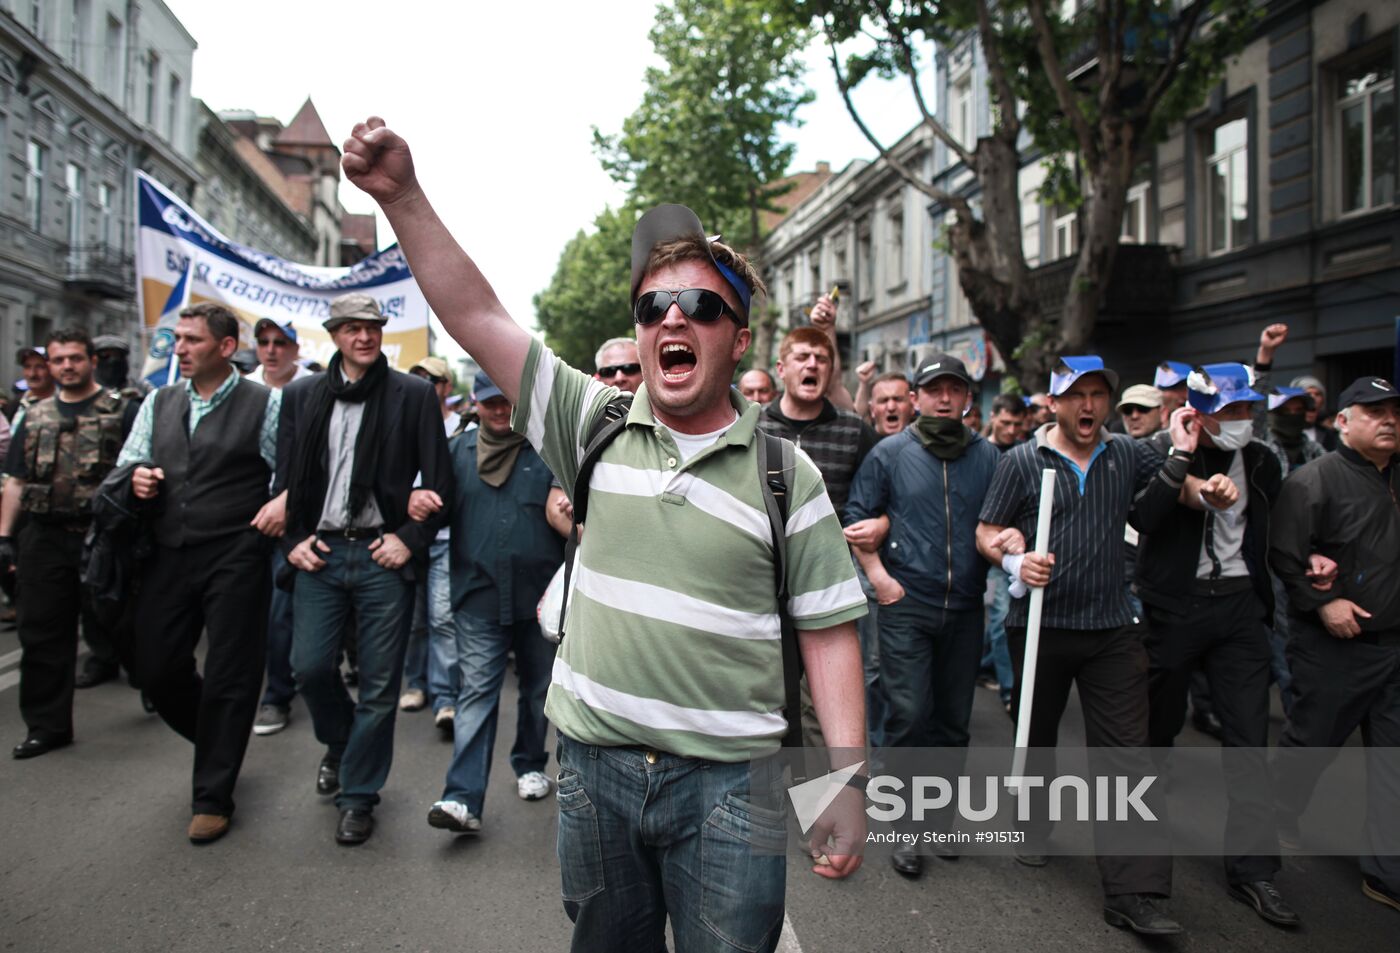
(495, 100)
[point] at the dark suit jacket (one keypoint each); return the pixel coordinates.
(416, 443)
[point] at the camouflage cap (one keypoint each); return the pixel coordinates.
(355, 306)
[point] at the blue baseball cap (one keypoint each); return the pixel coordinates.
(1071, 368)
(1211, 387)
(483, 389)
(1170, 374)
(1282, 395)
(286, 329)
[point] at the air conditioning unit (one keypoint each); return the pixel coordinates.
(918, 354)
(873, 352)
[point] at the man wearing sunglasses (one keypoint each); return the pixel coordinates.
(1141, 407)
(277, 351)
(668, 688)
(619, 365)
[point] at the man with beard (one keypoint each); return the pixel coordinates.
(668, 688)
(1088, 635)
(62, 450)
(891, 404)
(353, 441)
(929, 577)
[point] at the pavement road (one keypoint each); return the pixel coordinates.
(93, 857)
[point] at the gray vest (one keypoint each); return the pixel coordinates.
(215, 479)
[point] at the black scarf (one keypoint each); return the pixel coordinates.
(307, 489)
(944, 437)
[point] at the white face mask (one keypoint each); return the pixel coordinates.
(1234, 434)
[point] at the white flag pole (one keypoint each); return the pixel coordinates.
(1042, 546)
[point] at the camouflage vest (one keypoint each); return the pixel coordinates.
(68, 457)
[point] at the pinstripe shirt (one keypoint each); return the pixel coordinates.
(1088, 586)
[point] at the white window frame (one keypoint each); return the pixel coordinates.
(34, 184)
(895, 221)
(1136, 232)
(73, 176)
(152, 86)
(106, 209)
(1066, 226)
(1225, 158)
(1363, 99)
(960, 107)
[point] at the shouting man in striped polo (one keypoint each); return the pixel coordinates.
(668, 687)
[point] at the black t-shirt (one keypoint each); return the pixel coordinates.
(14, 459)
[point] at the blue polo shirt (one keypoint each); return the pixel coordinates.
(504, 551)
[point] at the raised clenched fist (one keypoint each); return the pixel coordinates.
(377, 160)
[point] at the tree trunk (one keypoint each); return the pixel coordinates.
(1101, 223)
(764, 323)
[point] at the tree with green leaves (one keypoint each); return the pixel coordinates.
(706, 134)
(1094, 84)
(589, 299)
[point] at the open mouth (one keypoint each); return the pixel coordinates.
(892, 420)
(810, 380)
(1086, 424)
(677, 362)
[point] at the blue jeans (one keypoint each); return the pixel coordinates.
(647, 835)
(997, 656)
(928, 662)
(359, 735)
(430, 664)
(481, 649)
(281, 685)
(868, 628)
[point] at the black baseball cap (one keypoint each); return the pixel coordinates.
(941, 365)
(1368, 390)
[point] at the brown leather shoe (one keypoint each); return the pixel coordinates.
(205, 828)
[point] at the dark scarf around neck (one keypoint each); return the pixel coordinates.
(307, 487)
(944, 437)
(495, 456)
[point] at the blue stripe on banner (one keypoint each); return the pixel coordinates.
(162, 212)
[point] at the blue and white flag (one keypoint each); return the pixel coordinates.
(182, 259)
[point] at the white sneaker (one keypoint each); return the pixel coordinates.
(533, 785)
(453, 816)
(413, 700)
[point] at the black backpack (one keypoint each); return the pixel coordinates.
(774, 481)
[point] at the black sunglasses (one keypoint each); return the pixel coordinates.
(612, 370)
(1132, 410)
(699, 304)
(274, 342)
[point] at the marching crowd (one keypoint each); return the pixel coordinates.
(323, 532)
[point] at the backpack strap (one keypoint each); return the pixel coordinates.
(776, 461)
(605, 427)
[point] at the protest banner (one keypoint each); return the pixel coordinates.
(181, 259)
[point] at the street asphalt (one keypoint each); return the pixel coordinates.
(94, 858)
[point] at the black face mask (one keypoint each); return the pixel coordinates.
(113, 372)
(1288, 428)
(944, 437)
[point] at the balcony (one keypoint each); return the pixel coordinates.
(1142, 283)
(100, 270)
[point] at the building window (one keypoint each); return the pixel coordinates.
(1366, 123)
(73, 183)
(1135, 214)
(1066, 234)
(1227, 186)
(865, 261)
(115, 51)
(172, 110)
(960, 109)
(152, 78)
(105, 212)
(896, 239)
(78, 49)
(36, 18)
(814, 272)
(34, 186)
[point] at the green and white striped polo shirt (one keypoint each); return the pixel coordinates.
(673, 636)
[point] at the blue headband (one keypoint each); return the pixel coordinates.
(740, 288)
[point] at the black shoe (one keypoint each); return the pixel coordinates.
(1264, 897)
(94, 672)
(1139, 912)
(1208, 723)
(1027, 859)
(907, 861)
(328, 776)
(356, 824)
(35, 745)
(1378, 892)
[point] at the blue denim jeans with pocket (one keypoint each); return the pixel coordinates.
(645, 835)
(360, 733)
